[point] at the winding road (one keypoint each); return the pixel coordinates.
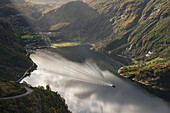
(29, 90)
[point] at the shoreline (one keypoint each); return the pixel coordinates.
(155, 90)
(27, 72)
(146, 84)
(139, 82)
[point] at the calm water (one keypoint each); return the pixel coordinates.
(86, 88)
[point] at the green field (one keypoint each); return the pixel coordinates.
(27, 36)
(65, 44)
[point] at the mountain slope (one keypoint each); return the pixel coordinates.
(39, 101)
(127, 27)
(139, 26)
(140, 31)
(76, 21)
(13, 61)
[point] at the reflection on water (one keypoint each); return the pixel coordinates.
(86, 88)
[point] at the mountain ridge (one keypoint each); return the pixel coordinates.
(77, 20)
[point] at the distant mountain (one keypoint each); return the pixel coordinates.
(20, 14)
(75, 21)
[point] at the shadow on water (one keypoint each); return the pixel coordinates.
(75, 53)
(164, 94)
(81, 53)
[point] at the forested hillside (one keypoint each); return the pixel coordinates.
(40, 101)
(13, 61)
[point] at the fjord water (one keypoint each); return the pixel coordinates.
(86, 88)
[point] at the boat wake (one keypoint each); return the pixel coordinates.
(88, 71)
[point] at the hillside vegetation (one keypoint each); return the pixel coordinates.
(140, 31)
(40, 101)
(75, 21)
(15, 26)
(155, 72)
(139, 26)
(128, 27)
(9, 88)
(13, 61)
